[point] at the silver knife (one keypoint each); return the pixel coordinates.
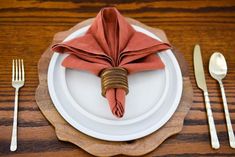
(201, 83)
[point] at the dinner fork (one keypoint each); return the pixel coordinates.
(18, 79)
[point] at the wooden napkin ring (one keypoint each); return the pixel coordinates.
(115, 77)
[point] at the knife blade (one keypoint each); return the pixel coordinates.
(201, 83)
(198, 68)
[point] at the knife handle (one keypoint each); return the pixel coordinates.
(214, 138)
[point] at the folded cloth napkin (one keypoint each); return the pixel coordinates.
(112, 42)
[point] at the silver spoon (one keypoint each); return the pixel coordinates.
(218, 70)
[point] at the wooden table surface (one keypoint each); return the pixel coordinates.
(27, 27)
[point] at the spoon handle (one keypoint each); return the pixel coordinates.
(227, 117)
(214, 138)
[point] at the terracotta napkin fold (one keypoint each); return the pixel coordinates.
(112, 42)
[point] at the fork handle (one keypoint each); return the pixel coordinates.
(14, 129)
(214, 138)
(227, 117)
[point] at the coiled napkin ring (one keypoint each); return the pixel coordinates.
(115, 77)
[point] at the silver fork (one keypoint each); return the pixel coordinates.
(17, 83)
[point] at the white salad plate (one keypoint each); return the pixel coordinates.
(152, 99)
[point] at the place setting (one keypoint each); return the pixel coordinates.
(112, 85)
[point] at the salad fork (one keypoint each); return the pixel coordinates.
(18, 78)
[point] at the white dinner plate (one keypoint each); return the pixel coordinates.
(153, 97)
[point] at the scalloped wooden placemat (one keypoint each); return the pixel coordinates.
(66, 132)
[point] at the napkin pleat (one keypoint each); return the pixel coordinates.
(150, 62)
(116, 99)
(75, 62)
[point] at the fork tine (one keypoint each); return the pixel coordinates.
(19, 70)
(22, 63)
(16, 70)
(13, 70)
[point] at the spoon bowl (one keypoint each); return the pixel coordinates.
(218, 66)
